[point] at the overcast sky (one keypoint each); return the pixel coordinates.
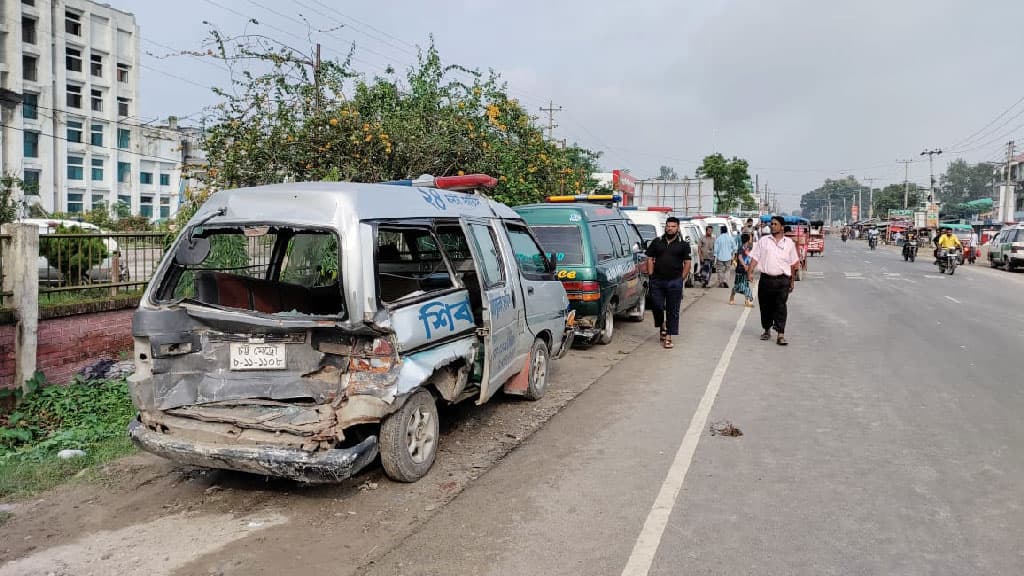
(803, 89)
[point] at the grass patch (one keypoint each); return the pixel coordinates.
(4, 517)
(90, 416)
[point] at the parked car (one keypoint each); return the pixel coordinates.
(377, 302)
(597, 251)
(101, 272)
(50, 226)
(1007, 248)
(49, 276)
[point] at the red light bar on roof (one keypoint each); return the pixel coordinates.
(467, 182)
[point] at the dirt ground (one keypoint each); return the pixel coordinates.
(145, 515)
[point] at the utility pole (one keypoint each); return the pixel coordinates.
(845, 213)
(1008, 198)
(906, 182)
(931, 172)
(871, 196)
(551, 117)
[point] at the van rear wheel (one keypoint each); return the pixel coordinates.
(608, 327)
(408, 438)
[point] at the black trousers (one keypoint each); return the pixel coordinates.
(772, 293)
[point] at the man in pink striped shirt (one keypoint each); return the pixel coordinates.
(776, 257)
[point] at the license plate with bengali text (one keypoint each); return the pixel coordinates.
(248, 356)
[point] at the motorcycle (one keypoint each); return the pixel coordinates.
(872, 242)
(948, 260)
(910, 250)
(972, 254)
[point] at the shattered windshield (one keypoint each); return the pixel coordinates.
(268, 269)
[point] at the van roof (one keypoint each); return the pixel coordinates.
(341, 204)
(589, 212)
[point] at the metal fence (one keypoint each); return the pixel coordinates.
(95, 265)
(5, 296)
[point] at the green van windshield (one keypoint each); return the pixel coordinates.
(565, 242)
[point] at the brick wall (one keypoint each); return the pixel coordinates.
(66, 344)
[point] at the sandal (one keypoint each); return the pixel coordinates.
(668, 342)
(766, 336)
(664, 334)
(781, 341)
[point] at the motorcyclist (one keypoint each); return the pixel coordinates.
(946, 241)
(911, 242)
(873, 236)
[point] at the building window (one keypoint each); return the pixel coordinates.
(126, 200)
(97, 169)
(75, 169)
(31, 144)
(96, 65)
(99, 202)
(165, 179)
(122, 72)
(122, 106)
(97, 100)
(73, 59)
(72, 23)
(96, 137)
(146, 177)
(30, 106)
(124, 172)
(146, 206)
(165, 207)
(74, 96)
(28, 2)
(74, 131)
(28, 68)
(124, 138)
(30, 182)
(28, 30)
(74, 202)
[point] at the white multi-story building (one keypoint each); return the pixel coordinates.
(69, 79)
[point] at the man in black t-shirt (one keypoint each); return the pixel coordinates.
(671, 255)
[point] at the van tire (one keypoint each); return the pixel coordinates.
(537, 378)
(408, 438)
(636, 313)
(608, 326)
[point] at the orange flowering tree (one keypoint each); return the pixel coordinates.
(295, 121)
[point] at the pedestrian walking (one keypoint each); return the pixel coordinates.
(706, 252)
(776, 257)
(741, 284)
(671, 255)
(725, 249)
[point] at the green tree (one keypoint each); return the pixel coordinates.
(9, 206)
(963, 182)
(815, 203)
(732, 181)
(891, 198)
(73, 256)
(283, 119)
(667, 173)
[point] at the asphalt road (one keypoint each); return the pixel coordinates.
(887, 438)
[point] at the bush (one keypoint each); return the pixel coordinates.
(73, 256)
(48, 419)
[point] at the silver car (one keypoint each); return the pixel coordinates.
(298, 330)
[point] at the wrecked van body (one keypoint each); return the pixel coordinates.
(299, 330)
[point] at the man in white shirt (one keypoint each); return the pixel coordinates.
(776, 257)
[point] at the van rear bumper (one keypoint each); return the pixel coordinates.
(320, 467)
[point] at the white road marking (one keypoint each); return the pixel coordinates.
(639, 563)
(851, 274)
(867, 261)
(909, 280)
(951, 299)
(933, 276)
(891, 274)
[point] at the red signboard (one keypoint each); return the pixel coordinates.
(624, 182)
(854, 212)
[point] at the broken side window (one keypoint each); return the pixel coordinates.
(409, 263)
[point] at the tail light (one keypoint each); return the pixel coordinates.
(377, 355)
(585, 291)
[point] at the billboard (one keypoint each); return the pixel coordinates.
(854, 212)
